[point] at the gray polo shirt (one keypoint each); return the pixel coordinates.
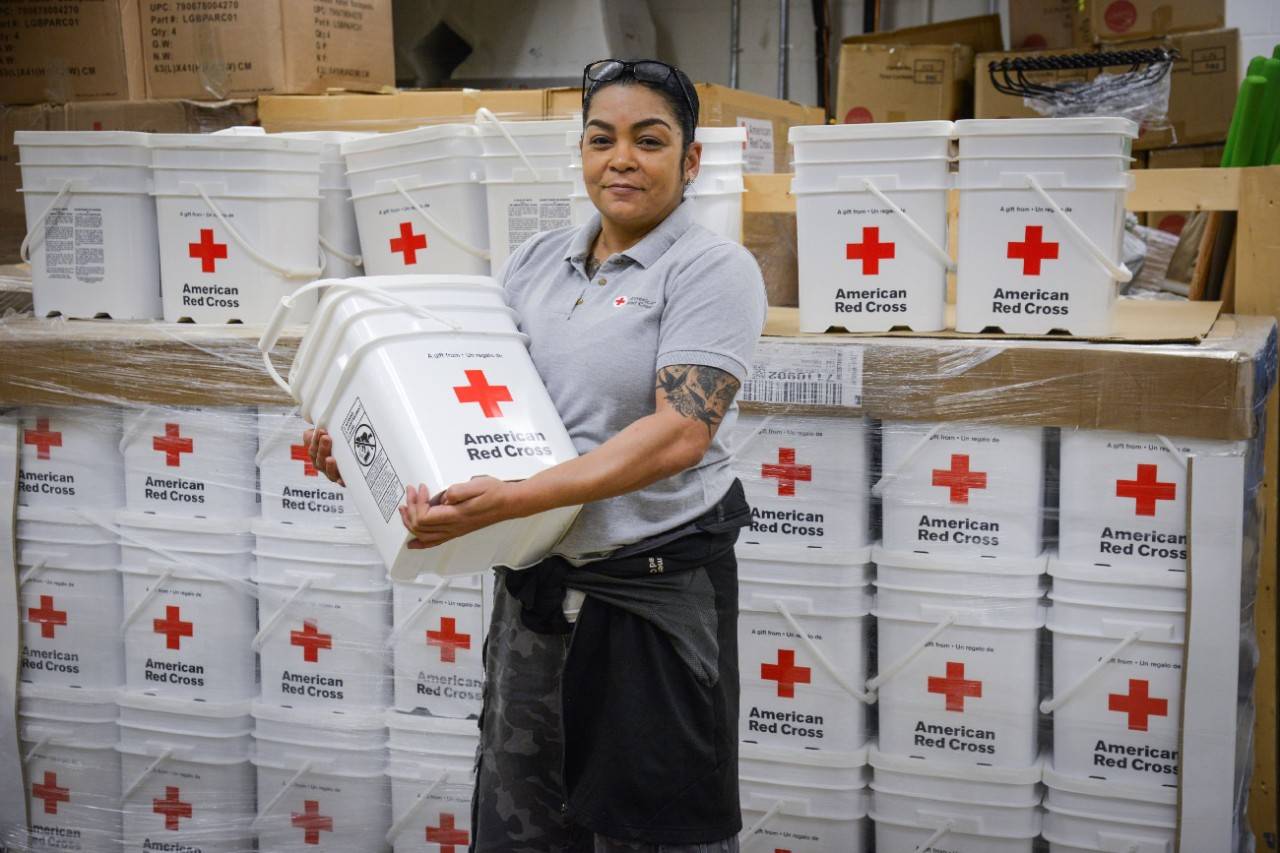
(682, 295)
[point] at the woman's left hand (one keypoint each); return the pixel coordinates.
(459, 510)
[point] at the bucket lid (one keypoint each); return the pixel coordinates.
(403, 721)
(951, 563)
(235, 142)
(961, 772)
(853, 558)
(355, 535)
(1117, 575)
(168, 523)
(86, 138)
(186, 707)
(714, 135)
(529, 127)
(70, 695)
(431, 133)
(1045, 126)
(329, 137)
(307, 718)
(871, 130)
(1106, 790)
(806, 758)
(64, 515)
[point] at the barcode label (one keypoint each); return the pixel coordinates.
(805, 374)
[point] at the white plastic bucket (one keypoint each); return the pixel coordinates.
(962, 489)
(56, 536)
(1123, 498)
(803, 641)
(91, 223)
(802, 802)
(1117, 674)
(860, 143)
(958, 674)
(503, 139)
(1087, 815)
(70, 458)
(717, 205)
(920, 806)
(430, 767)
(436, 646)
(338, 236)
(523, 206)
(293, 491)
(239, 223)
(190, 462)
(189, 608)
(722, 144)
(807, 479)
(445, 348)
(321, 782)
(328, 557)
(72, 771)
(186, 777)
(1040, 228)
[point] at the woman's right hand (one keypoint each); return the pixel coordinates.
(320, 447)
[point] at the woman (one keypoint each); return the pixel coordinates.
(619, 731)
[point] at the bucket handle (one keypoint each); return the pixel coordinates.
(273, 440)
(1128, 844)
(938, 834)
(263, 260)
(270, 625)
(892, 670)
(421, 608)
(769, 815)
(36, 568)
(284, 789)
(1118, 272)
(865, 698)
(142, 777)
(892, 474)
(146, 599)
(40, 744)
(410, 813)
(484, 113)
(914, 227)
(354, 260)
(1052, 704)
(24, 251)
(482, 254)
(127, 437)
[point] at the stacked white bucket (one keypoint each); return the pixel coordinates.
(804, 631)
(338, 235)
(959, 587)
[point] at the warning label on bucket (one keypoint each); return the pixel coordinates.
(381, 478)
(73, 244)
(528, 216)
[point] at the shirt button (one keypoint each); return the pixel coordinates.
(602, 281)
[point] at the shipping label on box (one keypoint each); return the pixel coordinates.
(61, 52)
(903, 82)
(759, 154)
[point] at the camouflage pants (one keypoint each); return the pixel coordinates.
(518, 805)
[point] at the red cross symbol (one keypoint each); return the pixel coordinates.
(408, 243)
(49, 791)
(480, 391)
(207, 250)
(172, 807)
(1032, 250)
(173, 627)
(959, 479)
(870, 251)
(619, 302)
(172, 445)
(311, 640)
(786, 673)
(1138, 704)
(311, 822)
(1146, 490)
(447, 835)
(787, 472)
(955, 687)
(42, 438)
(448, 639)
(299, 452)
(46, 617)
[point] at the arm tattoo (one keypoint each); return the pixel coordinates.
(698, 392)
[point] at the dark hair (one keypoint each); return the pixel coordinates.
(677, 91)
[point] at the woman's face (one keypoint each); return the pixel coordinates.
(632, 162)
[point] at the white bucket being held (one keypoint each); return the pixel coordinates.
(436, 645)
(239, 223)
(446, 349)
(803, 802)
(1041, 223)
(70, 457)
(970, 490)
(293, 490)
(1084, 815)
(430, 764)
(338, 235)
(68, 738)
(91, 223)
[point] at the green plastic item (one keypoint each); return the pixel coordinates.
(1237, 114)
(1255, 66)
(1269, 123)
(1244, 124)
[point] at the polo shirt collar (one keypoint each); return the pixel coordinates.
(650, 248)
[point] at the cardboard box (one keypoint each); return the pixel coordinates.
(399, 111)
(1201, 97)
(1188, 157)
(981, 34)
(284, 46)
(880, 82)
(69, 51)
(13, 223)
(1125, 20)
(1042, 24)
(766, 119)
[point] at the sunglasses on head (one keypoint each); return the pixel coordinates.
(646, 71)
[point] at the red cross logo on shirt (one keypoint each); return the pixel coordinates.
(447, 835)
(955, 687)
(448, 640)
(408, 243)
(959, 479)
(311, 822)
(299, 452)
(311, 641)
(618, 302)
(1138, 704)
(42, 438)
(870, 251)
(787, 472)
(173, 627)
(207, 251)
(46, 617)
(172, 445)
(49, 791)
(786, 673)
(478, 390)
(1146, 490)
(172, 807)
(1032, 250)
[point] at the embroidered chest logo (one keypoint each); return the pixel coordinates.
(633, 302)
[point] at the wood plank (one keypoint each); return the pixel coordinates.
(1185, 189)
(1264, 788)
(1258, 243)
